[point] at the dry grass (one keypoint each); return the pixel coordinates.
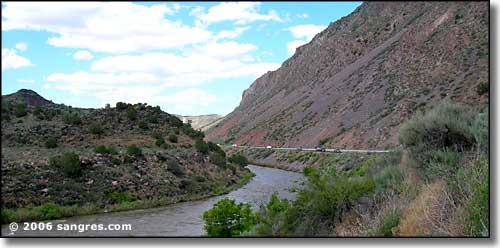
(431, 213)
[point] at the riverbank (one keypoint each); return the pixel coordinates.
(51, 211)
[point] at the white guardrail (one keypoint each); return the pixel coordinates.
(309, 149)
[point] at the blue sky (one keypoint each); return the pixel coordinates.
(189, 58)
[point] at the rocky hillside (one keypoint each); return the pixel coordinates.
(365, 74)
(133, 155)
(202, 122)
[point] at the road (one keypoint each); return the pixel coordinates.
(308, 149)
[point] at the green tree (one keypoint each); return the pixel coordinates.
(201, 146)
(134, 151)
(131, 113)
(228, 219)
(239, 159)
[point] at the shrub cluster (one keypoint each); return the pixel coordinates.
(69, 163)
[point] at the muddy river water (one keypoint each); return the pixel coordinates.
(181, 219)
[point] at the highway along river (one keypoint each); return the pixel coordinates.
(181, 219)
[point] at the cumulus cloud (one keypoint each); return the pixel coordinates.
(83, 55)
(10, 60)
(231, 34)
(21, 46)
(96, 26)
(303, 34)
(239, 12)
(303, 15)
(307, 31)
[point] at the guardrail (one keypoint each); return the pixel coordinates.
(309, 149)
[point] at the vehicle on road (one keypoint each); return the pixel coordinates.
(320, 149)
(234, 145)
(299, 149)
(269, 147)
(336, 150)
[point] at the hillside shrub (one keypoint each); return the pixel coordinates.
(51, 143)
(131, 113)
(20, 110)
(143, 125)
(134, 151)
(69, 163)
(448, 125)
(72, 119)
(160, 142)
(174, 167)
(483, 88)
(101, 149)
(96, 129)
(201, 146)
(228, 219)
(172, 138)
(121, 106)
(239, 160)
(218, 159)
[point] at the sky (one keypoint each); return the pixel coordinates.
(190, 58)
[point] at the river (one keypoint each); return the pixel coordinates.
(180, 219)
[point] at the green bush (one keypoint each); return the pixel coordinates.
(389, 177)
(116, 161)
(271, 219)
(157, 135)
(69, 163)
(119, 197)
(172, 138)
(228, 219)
(160, 142)
(388, 222)
(239, 160)
(218, 159)
(483, 88)
(447, 125)
(72, 119)
(50, 211)
(143, 125)
(134, 151)
(131, 113)
(121, 106)
(96, 129)
(101, 149)
(480, 129)
(174, 167)
(112, 150)
(201, 146)
(20, 110)
(51, 143)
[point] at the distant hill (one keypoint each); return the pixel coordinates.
(27, 97)
(359, 79)
(202, 122)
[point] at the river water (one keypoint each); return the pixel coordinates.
(180, 219)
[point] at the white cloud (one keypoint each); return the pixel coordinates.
(10, 60)
(21, 46)
(26, 81)
(134, 77)
(231, 34)
(307, 31)
(114, 27)
(83, 55)
(292, 46)
(303, 34)
(239, 12)
(196, 10)
(303, 15)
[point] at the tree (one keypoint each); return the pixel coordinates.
(131, 113)
(239, 159)
(201, 146)
(69, 163)
(228, 219)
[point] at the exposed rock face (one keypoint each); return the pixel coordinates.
(359, 79)
(27, 97)
(201, 121)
